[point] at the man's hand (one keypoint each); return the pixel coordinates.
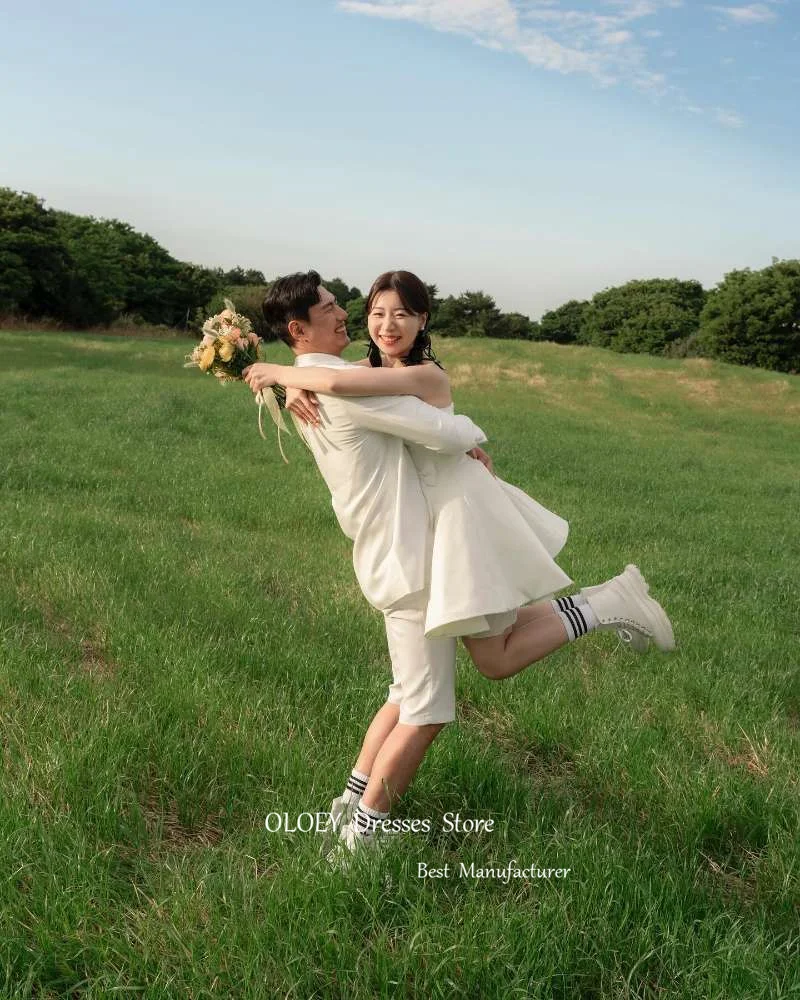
(482, 457)
(261, 375)
(303, 405)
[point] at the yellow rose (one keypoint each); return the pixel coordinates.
(226, 351)
(206, 358)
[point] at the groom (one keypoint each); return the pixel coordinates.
(377, 497)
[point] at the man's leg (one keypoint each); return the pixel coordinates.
(383, 723)
(385, 719)
(424, 680)
(409, 743)
(392, 752)
(397, 762)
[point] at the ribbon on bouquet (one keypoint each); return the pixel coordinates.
(266, 397)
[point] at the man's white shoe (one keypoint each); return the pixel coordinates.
(349, 845)
(342, 810)
(352, 844)
(623, 603)
(637, 641)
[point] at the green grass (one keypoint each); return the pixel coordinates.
(184, 649)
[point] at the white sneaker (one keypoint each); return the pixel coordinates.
(637, 641)
(623, 603)
(349, 845)
(342, 810)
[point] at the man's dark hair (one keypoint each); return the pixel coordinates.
(290, 298)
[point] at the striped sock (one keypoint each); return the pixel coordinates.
(355, 786)
(366, 819)
(577, 619)
(574, 601)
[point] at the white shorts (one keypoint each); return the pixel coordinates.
(423, 670)
(488, 626)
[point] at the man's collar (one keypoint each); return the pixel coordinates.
(327, 360)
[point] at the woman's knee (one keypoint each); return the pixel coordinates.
(486, 664)
(491, 671)
(483, 653)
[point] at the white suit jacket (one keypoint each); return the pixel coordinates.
(375, 490)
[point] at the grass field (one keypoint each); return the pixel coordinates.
(185, 650)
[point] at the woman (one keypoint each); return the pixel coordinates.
(493, 546)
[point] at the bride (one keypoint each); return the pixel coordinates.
(493, 546)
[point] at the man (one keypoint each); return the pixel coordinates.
(376, 494)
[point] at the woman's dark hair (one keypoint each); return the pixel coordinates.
(290, 298)
(414, 296)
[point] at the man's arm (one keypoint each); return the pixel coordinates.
(409, 418)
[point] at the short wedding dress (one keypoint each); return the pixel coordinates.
(493, 545)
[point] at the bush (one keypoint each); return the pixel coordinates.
(644, 317)
(753, 318)
(35, 263)
(475, 314)
(356, 319)
(565, 324)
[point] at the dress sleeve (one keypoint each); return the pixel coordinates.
(409, 418)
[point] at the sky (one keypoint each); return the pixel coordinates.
(538, 150)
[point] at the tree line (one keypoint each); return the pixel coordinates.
(86, 272)
(750, 318)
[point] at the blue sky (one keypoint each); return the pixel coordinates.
(537, 149)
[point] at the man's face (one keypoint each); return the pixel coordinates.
(326, 329)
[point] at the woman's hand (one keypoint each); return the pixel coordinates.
(480, 455)
(303, 405)
(261, 375)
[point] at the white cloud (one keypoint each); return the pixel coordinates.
(728, 118)
(468, 16)
(634, 9)
(603, 41)
(617, 37)
(754, 13)
(597, 43)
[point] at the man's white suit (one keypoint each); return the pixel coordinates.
(378, 501)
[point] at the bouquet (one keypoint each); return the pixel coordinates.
(229, 345)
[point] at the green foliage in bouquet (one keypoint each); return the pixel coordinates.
(248, 304)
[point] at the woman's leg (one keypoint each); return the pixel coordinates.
(532, 612)
(537, 632)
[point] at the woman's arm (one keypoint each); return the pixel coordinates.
(417, 380)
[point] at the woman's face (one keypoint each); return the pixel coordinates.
(391, 326)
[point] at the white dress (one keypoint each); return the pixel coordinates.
(493, 545)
